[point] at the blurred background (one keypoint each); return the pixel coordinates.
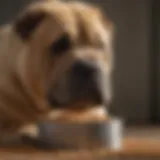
(137, 55)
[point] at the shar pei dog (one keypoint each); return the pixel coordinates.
(54, 55)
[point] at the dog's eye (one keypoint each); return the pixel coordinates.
(61, 45)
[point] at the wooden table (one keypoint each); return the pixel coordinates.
(139, 144)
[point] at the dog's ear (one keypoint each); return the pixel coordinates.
(27, 22)
(110, 25)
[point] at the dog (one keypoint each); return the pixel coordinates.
(55, 55)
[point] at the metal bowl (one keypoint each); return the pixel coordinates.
(107, 134)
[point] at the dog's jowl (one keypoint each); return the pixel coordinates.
(54, 55)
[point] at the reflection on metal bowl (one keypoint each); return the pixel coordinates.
(107, 134)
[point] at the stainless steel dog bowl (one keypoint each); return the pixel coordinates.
(86, 135)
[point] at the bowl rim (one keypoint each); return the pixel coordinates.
(115, 120)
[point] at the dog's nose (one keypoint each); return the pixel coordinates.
(83, 69)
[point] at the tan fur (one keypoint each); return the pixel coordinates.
(22, 97)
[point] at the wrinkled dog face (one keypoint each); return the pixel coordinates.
(70, 45)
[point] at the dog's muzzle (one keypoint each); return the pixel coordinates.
(84, 81)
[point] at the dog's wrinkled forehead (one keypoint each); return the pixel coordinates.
(81, 21)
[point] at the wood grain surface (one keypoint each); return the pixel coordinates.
(140, 143)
